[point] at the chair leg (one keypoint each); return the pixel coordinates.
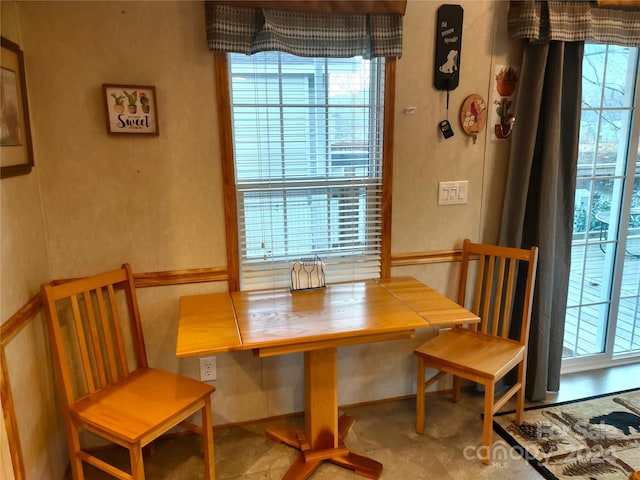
(207, 440)
(137, 464)
(74, 446)
(487, 429)
(456, 389)
(420, 396)
(521, 394)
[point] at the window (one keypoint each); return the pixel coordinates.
(307, 147)
(603, 310)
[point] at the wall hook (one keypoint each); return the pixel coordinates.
(505, 127)
(507, 120)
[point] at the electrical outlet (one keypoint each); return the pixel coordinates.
(208, 369)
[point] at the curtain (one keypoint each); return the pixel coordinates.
(320, 29)
(541, 21)
(539, 203)
(539, 198)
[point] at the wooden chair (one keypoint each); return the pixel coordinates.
(483, 353)
(106, 384)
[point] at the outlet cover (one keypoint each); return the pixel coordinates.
(208, 369)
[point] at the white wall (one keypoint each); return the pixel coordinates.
(95, 200)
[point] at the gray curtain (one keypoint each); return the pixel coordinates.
(574, 21)
(539, 199)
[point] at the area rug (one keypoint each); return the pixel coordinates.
(592, 438)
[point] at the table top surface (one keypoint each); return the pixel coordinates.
(604, 216)
(341, 312)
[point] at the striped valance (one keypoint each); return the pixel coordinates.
(542, 21)
(243, 28)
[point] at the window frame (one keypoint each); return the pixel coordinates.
(223, 98)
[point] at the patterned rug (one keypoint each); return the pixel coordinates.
(592, 438)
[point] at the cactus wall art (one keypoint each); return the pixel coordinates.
(131, 109)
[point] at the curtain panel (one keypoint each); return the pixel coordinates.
(539, 197)
(572, 21)
(239, 28)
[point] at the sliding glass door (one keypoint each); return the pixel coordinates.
(602, 322)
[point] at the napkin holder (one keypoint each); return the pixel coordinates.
(307, 274)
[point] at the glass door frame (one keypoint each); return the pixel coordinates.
(618, 235)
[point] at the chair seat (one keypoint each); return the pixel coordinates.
(144, 404)
(471, 354)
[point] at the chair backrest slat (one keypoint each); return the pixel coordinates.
(95, 338)
(477, 297)
(508, 300)
(499, 272)
(136, 327)
(112, 363)
(95, 326)
(485, 286)
(497, 295)
(82, 343)
(57, 342)
(117, 328)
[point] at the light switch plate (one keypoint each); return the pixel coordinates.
(453, 193)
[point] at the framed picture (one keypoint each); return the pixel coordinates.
(16, 151)
(131, 109)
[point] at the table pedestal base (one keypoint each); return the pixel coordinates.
(309, 460)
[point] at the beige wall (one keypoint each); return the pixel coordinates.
(95, 200)
(24, 266)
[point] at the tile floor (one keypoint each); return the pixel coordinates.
(385, 432)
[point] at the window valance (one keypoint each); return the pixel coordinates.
(542, 21)
(336, 29)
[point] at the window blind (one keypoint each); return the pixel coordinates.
(307, 135)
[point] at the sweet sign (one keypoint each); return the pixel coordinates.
(131, 109)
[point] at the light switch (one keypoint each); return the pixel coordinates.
(453, 193)
(462, 191)
(443, 193)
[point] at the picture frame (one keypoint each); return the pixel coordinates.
(131, 109)
(16, 149)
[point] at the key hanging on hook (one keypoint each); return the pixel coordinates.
(444, 125)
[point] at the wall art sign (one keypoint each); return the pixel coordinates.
(131, 109)
(448, 47)
(16, 151)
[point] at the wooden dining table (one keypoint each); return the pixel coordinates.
(315, 322)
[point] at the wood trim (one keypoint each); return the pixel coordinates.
(8, 331)
(223, 99)
(20, 319)
(424, 258)
(619, 3)
(181, 277)
(387, 165)
(339, 7)
(10, 422)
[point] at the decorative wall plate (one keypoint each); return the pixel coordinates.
(473, 115)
